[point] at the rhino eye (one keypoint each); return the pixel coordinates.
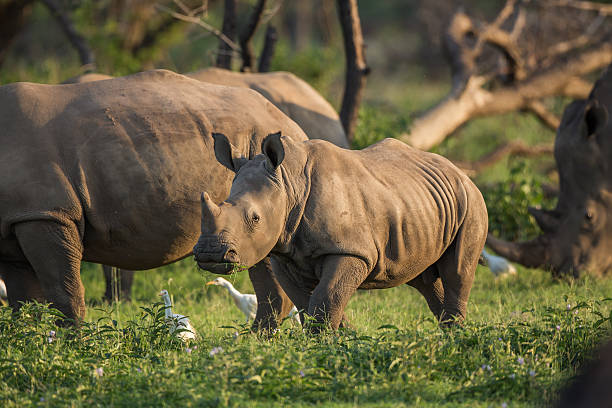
(255, 217)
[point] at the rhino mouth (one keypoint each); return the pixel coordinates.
(220, 268)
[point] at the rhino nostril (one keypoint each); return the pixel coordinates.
(231, 255)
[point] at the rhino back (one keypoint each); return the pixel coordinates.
(393, 206)
(292, 95)
(125, 158)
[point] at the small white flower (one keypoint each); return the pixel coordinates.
(532, 373)
(520, 360)
(568, 306)
(513, 376)
(215, 350)
(98, 372)
(558, 327)
(188, 350)
(504, 405)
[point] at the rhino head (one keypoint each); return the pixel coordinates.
(243, 229)
(577, 233)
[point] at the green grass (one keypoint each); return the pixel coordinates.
(510, 349)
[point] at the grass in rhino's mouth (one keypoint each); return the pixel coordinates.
(222, 267)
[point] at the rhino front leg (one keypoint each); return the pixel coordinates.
(55, 250)
(340, 278)
(273, 304)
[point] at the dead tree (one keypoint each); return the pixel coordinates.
(265, 58)
(521, 75)
(77, 40)
(224, 57)
(13, 16)
(356, 67)
(248, 57)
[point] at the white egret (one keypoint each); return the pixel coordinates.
(498, 265)
(246, 302)
(177, 321)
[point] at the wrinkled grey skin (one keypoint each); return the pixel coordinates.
(292, 95)
(289, 93)
(336, 220)
(111, 172)
(577, 234)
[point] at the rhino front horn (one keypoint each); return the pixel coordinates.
(209, 209)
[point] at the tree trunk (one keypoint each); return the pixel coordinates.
(356, 67)
(224, 57)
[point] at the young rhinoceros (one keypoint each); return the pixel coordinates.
(336, 220)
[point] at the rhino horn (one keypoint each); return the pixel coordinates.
(209, 209)
(532, 254)
(547, 220)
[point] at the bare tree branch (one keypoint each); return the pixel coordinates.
(546, 117)
(85, 54)
(356, 67)
(605, 9)
(248, 58)
(224, 57)
(201, 23)
(513, 148)
(512, 86)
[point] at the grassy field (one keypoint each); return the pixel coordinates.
(524, 337)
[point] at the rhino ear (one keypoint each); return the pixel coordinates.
(595, 117)
(273, 149)
(226, 153)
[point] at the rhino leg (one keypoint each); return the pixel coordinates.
(430, 286)
(21, 283)
(294, 284)
(126, 279)
(340, 278)
(272, 302)
(55, 250)
(457, 267)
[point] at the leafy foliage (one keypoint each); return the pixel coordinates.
(511, 350)
(507, 203)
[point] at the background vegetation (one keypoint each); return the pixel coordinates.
(524, 337)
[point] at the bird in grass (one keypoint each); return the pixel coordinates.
(177, 321)
(498, 265)
(246, 302)
(3, 294)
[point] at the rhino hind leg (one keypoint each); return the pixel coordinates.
(126, 279)
(457, 267)
(54, 251)
(430, 286)
(21, 282)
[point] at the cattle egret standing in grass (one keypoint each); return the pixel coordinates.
(498, 265)
(176, 321)
(246, 302)
(3, 294)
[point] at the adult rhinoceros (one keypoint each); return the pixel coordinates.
(111, 172)
(577, 233)
(292, 95)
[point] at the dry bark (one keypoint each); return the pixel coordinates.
(224, 57)
(265, 58)
(248, 57)
(356, 67)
